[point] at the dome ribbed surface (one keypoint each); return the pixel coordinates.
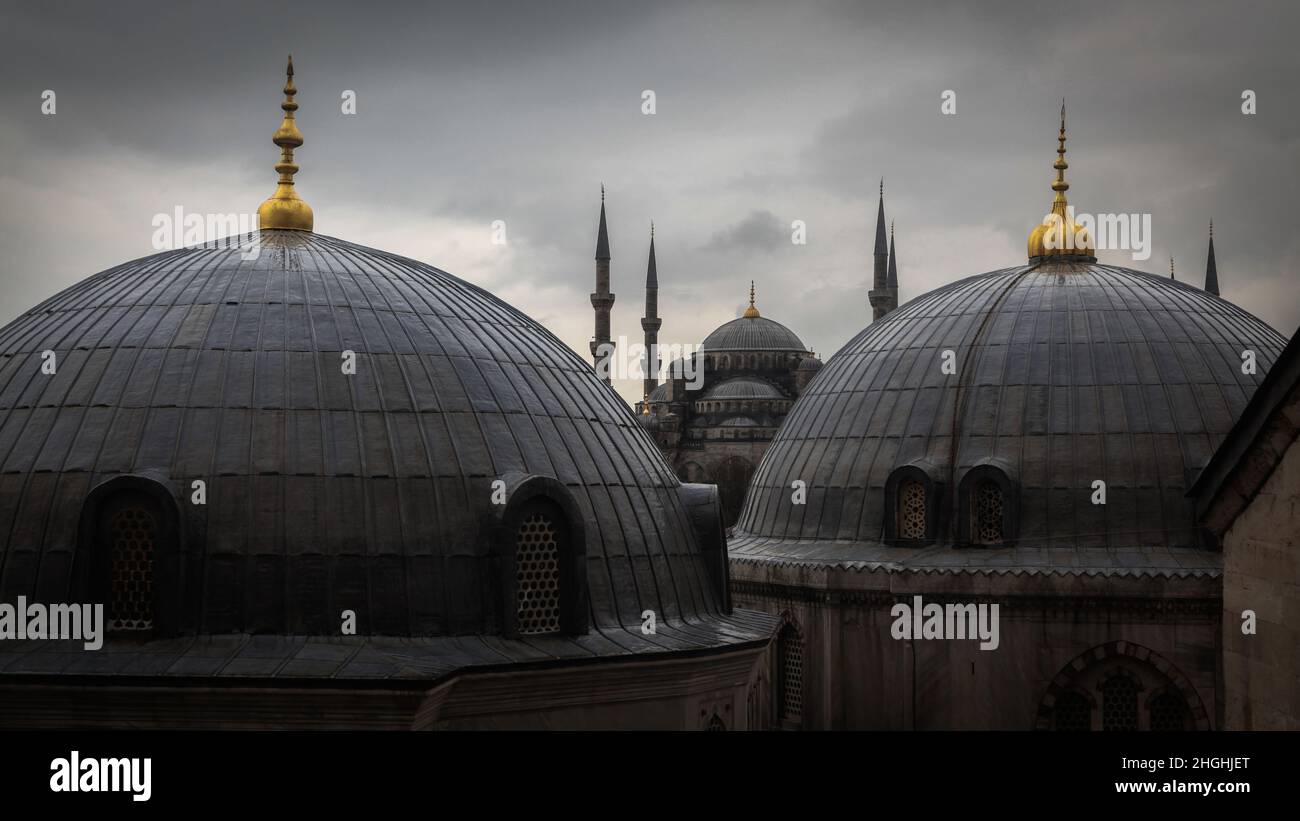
(1066, 374)
(324, 490)
(742, 388)
(755, 333)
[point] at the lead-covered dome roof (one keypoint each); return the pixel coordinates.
(327, 491)
(752, 333)
(1065, 374)
(743, 387)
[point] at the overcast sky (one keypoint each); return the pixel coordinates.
(766, 113)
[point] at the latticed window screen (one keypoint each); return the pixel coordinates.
(790, 659)
(1072, 713)
(1119, 704)
(537, 576)
(1168, 712)
(986, 513)
(911, 510)
(716, 724)
(133, 532)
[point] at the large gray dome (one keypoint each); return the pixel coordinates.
(327, 491)
(752, 333)
(1066, 373)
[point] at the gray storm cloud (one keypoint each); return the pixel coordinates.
(766, 113)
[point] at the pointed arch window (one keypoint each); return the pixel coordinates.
(987, 500)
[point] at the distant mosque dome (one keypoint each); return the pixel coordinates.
(752, 332)
(743, 388)
(812, 363)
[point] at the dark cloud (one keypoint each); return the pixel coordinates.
(470, 113)
(760, 231)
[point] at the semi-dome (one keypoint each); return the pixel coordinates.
(743, 388)
(1046, 378)
(350, 412)
(811, 363)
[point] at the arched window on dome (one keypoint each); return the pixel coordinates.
(911, 510)
(130, 528)
(911, 502)
(986, 513)
(130, 556)
(541, 544)
(540, 547)
(987, 507)
(789, 675)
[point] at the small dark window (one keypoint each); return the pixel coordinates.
(987, 513)
(132, 536)
(1119, 704)
(716, 724)
(1168, 712)
(1072, 713)
(790, 670)
(911, 510)
(537, 575)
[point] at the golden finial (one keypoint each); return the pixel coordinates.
(645, 404)
(285, 209)
(1211, 229)
(751, 312)
(652, 229)
(1171, 267)
(1058, 234)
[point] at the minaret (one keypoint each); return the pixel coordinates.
(1171, 267)
(650, 322)
(602, 300)
(285, 209)
(1211, 269)
(879, 293)
(891, 280)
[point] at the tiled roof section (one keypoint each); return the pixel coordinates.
(197, 363)
(1160, 562)
(1066, 374)
(752, 333)
(359, 659)
(743, 388)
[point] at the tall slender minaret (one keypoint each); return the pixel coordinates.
(650, 322)
(1211, 269)
(1171, 267)
(891, 280)
(879, 293)
(602, 349)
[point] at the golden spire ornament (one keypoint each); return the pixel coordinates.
(285, 209)
(1058, 234)
(751, 312)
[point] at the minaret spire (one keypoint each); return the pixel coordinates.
(602, 349)
(882, 302)
(891, 280)
(285, 209)
(1211, 268)
(650, 323)
(1171, 268)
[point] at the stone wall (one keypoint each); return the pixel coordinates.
(1261, 571)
